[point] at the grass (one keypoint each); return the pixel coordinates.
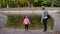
(58, 12)
(15, 21)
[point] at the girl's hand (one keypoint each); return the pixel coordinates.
(29, 23)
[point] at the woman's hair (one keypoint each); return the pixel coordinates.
(43, 7)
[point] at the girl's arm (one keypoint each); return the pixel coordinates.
(29, 21)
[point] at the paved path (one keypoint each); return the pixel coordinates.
(18, 31)
(25, 12)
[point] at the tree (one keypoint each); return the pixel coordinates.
(58, 3)
(21, 3)
(10, 3)
(39, 3)
(35, 3)
(2, 4)
(46, 3)
(30, 3)
(55, 3)
(52, 3)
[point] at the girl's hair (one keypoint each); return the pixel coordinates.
(26, 16)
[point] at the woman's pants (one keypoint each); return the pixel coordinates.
(45, 24)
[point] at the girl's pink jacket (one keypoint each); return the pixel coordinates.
(26, 21)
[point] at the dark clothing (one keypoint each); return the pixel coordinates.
(26, 27)
(44, 18)
(45, 24)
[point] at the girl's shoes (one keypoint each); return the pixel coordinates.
(26, 30)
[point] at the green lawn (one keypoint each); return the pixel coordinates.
(58, 12)
(15, 21)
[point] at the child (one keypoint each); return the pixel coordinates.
(26, 22)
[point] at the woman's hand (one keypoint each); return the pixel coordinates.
(41, 20)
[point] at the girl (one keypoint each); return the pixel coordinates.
(26, 22)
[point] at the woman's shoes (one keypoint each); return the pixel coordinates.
(44, 31)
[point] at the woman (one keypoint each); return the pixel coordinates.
(44, 18)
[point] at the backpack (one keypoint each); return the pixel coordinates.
(48, 16)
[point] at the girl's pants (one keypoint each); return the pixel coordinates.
(26, 27)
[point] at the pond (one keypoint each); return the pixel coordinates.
(16, 22)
